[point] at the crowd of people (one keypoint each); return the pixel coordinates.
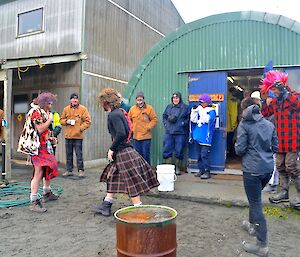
(260, 143)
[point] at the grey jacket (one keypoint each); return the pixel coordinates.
(256, 142)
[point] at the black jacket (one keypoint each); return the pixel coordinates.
(176, 118)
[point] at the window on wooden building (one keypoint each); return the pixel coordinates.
(30, 22)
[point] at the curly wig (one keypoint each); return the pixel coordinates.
(45, 98)
(109, 97)
(274, 78)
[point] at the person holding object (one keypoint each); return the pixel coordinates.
(203, 122)
(76, 119)
(286, 108)
(176, 121)
(35, 141)
(127, 172)
(256, 143)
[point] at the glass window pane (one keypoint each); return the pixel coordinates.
(29, 22)
(21, 103)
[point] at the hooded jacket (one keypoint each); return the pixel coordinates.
(176, 117)
(256, 142)
(203, 123)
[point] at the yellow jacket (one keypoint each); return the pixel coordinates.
(143, 120)
(82, 121)
(232, 112)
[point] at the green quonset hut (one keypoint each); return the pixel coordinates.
(215, 52)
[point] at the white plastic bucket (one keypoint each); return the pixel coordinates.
(166, 177)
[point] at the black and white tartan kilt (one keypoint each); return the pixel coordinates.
(129, 174)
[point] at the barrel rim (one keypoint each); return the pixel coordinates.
(174, 212)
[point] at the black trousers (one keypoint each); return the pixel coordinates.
(77, 145)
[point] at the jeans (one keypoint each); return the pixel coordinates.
(77, 145)
(174, 143)
(143, 148)
(254, 184)
(203, 157)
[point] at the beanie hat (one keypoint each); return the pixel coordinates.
(205, 98)
(74, 96)
(141, 94)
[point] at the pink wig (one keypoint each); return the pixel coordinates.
(273, 78)
(45, 98)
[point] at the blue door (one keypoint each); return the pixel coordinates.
(214, 84)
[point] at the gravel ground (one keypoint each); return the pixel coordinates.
(70, 228)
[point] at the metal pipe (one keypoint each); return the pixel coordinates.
(3, 160)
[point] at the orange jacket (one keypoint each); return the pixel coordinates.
(143, 120)
(82, 121)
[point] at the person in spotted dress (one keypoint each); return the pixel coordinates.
(44, 162)
(286, 110)
(128, 172)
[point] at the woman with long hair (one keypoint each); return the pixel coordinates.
(127, 172)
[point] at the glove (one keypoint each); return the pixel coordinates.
(172, 119)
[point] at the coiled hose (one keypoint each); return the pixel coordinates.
(12, 194)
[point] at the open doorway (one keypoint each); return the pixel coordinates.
(240, 84)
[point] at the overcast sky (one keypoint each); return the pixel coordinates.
(191, 10)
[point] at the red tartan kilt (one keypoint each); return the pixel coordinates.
(129, 174)
(47, 161)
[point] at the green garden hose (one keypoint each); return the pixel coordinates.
(12, 194)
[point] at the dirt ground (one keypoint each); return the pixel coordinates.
(70, 228)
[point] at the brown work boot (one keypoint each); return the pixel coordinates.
(81, 174)
(49, 197)
(37, 206)
(68, 174)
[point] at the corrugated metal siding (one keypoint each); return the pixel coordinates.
(60, 79)
(63, 26)
(220, 42)
(115, 42)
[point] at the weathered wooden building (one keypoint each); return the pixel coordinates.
(67, 46)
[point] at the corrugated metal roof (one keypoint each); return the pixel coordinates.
(238, 40)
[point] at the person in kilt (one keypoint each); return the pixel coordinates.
(44, 162)
(127, 172)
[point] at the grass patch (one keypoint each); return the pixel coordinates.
(280, 212)
(228, 205)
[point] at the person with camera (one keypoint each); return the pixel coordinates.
(176, 121)
(285, 106)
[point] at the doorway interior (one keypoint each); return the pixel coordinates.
(240, 84)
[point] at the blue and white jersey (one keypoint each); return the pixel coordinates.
(203, 122)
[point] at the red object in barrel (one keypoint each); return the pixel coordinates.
(146, 231)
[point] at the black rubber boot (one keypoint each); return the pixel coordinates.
(206, 175)
(177, 167)
(199, 173)
(296, 202)
(168, 160)
(104, 208)
(283, 195)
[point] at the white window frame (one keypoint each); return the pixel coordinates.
(33, 32)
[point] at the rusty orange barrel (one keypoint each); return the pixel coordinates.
(146, 231)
